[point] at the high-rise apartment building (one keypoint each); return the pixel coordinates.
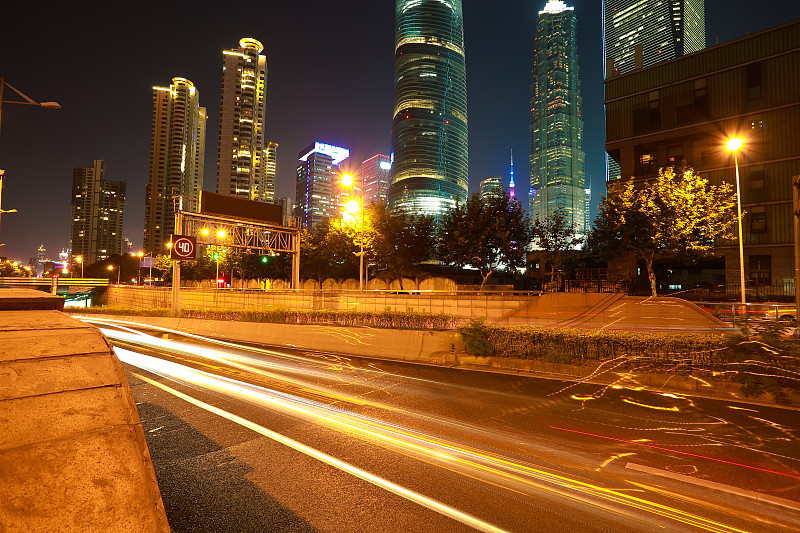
(241, 155)
(429, 128)
(177, 155)
(556, 156)
(97, 210)
(491, 188)
(375, 175)
(318, 193)
(641, 33)
(270, 170)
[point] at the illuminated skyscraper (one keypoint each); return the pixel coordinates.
(375, 173)
(491, 188)
(429, 128)
(556, 158)
(97, 210)
(664, 29)
(177, 155)
(241, 157)
(271, 169)
(640, 33)
(318, 193)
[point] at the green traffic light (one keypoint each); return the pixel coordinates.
(264, 259)
(215, 256)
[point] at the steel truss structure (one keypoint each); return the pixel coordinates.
(240, 233)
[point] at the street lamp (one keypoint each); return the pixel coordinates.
(348, 181)
(28, 101)
(119, 271)
(79, 259)
(733, 145)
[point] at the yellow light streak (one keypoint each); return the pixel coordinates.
(673, 408)
(497, 466)
(385, 484)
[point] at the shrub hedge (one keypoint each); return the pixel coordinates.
(578, 345)
(385, 319)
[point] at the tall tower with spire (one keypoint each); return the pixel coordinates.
(511, 177)
(556, 156)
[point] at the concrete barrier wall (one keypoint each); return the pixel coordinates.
(434, 347)
(73, 455)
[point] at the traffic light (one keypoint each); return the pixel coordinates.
(264, 258)
(215, 256)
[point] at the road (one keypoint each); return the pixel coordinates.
(252, 438)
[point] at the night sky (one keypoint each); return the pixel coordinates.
(330, 69)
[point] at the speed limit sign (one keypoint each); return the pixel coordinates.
(184, 247)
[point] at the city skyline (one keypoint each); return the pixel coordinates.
(353, 106)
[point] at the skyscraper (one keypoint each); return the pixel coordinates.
(318, 193)
(270, 171)
(512, 193)
(375, 173)
(97, 211)
(640, 33)
(177, 155)
(429, 128)
(491, 188)
(556, 157)
(241, 156)
(664, 29)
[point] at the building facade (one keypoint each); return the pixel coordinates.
(686, 109)
(429, 125)
(270, 170)
(375, 176)
(491, 188)
(556, 155)
(641, 33)
(318, 192)
(97, 213)
(177, 156)
(241, 153)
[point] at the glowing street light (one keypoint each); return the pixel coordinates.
(119, 271)
(28, 100)
(733, 145)
(347, 181)
(79, 259)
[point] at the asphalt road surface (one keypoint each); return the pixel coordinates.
(256, 438)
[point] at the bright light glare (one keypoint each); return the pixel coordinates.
(347, 180)
(204, 231)
(221, 234)
(352, 207)
(734, 143)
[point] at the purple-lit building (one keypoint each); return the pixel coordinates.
(318, 193)
(375, 174)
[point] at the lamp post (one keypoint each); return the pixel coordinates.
(28, 101)
(733, 145)
(348, 181)
(79, 259)
(119, 271)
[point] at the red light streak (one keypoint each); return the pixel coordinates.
(676, 451)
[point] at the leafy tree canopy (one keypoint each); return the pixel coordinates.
(675, 214)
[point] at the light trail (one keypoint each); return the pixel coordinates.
(677, 451)
(433, 449)
(378, 481)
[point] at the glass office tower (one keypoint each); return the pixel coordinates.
(557, 157)
(429, 129)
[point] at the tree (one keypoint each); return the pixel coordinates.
(398, 241)
(485, 235)
(671, 215)
(326, 250)
(554, 235)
